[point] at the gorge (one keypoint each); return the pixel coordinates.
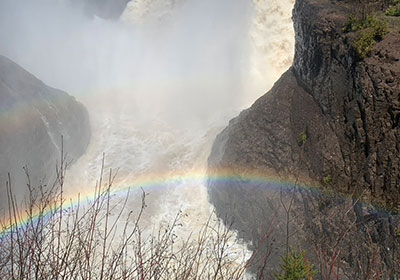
(312, 165)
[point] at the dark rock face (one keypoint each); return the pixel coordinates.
(266, 139)
(348, 108)
(33, 117)
(331, 120)
(361, 99)
(268, 135)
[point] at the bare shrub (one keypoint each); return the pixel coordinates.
(48, 238)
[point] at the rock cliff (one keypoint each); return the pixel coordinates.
(33, 117)
(331, 120)
(359, 98)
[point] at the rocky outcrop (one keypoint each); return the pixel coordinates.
(359, 98)
(33, 117)
(347, 108)
(331, 120)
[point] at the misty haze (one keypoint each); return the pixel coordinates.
(193, 139)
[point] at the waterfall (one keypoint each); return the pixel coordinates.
(159, 84)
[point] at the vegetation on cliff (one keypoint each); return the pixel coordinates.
(370, 23)
(295, 266)
(370, 31)
(394, 10)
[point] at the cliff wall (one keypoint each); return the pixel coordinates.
(360, 99)
(348, 109)
(33, 117)
(332, 121)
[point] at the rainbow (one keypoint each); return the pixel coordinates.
(157, 182)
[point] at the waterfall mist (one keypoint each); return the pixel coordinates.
(185, 64)
(159, 83)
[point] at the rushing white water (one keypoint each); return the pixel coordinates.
(166, 122)
(271, 43)
(159, 84)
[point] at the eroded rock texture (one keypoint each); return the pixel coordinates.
(359, 98)
(331, 120)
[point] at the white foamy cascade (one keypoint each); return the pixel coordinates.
(271, 44)
(159, 84)
(145, 11)
(140, 143)
(270, 34)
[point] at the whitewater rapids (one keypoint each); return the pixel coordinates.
(162, 126)
(159, 84)
(155, 135)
